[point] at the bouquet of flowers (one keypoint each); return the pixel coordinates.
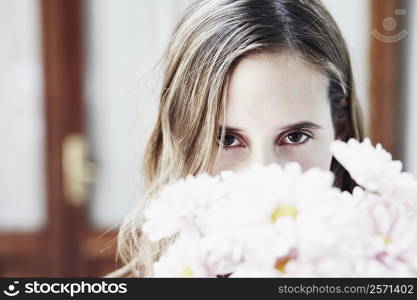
(273, 221)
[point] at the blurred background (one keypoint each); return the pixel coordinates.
(78, 97)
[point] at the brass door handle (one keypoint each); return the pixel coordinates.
(77, 170)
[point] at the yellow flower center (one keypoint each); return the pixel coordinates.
(186, 272)
(284, 210)
(387, 240)
(281, 263)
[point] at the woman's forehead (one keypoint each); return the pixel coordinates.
(277, 89)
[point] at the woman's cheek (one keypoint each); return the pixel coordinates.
(301, 154)
(313, 153)
(230, 159)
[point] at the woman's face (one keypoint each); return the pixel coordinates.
(278, 111)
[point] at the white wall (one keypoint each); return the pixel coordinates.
(125, 40)
(22, 201)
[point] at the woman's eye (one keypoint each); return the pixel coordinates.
(230, 141)
(296, 138)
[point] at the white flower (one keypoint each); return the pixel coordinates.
(266, 195)
(272, 221)
(372, 168)
(387, 235)
(180, 206)
(185, 258)
(293, 206)
(403, 189)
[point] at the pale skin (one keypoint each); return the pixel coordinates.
(278, 111)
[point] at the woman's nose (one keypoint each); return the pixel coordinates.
(264, 156)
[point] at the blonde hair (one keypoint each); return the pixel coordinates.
(210, 39)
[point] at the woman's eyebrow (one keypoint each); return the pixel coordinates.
(230, 129)
(301, 125)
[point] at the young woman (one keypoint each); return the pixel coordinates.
(245, 82)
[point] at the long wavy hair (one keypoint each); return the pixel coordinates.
(210, 39)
